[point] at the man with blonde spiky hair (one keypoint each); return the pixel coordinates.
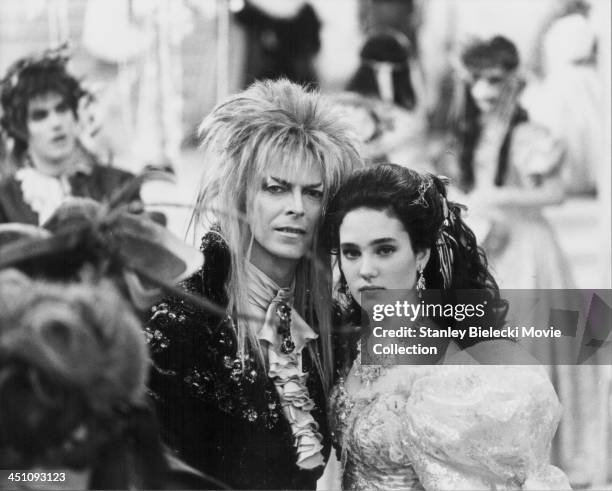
(243, 397)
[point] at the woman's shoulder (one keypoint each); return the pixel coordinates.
(531, 132)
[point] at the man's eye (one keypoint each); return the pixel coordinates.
(274, 188)
(385, 250)
(38, 115)
(350, 254)
(63, 107)
(495, 80)
(314, 193)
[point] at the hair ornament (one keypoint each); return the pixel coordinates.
(446, 242)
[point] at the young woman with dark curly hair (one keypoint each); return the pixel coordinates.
(242, 395)
(450, 425)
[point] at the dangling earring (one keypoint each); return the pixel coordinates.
(420, 286)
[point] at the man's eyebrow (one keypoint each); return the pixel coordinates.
(280, 181)
(289, 184)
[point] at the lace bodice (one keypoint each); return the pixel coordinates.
(446, 427)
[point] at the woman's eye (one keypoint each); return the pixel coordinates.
(314, 193)
(63, 107)
(385, 250)
(350, 254)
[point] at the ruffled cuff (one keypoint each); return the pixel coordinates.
(290, 384)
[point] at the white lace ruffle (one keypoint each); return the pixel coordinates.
(290, 382)
(43, 193)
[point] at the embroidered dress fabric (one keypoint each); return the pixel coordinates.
(285, 370)
(450, 426)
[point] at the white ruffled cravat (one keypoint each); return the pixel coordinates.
(43, 193)
(285, 370)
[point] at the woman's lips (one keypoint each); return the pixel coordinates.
(371, 287)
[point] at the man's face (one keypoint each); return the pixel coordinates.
(488, 87)
(285, 212)
(52, 129)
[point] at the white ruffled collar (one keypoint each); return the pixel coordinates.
(264, 291)
(285, 369)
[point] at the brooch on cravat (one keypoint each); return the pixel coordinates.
(283, 310)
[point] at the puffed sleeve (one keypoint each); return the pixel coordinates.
(483, 427)
(180, 335)
(535, 153)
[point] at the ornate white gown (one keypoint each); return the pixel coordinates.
(445, 427)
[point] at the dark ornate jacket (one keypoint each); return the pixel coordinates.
(222, 415)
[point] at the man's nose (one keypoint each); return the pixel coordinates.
(55, 118)
(481, 88)
(296, 204)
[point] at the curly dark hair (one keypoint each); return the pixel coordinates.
(480, 55)
(419, 202)
(387, 46)
(30, 77)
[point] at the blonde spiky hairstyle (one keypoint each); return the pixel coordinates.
(283, 124)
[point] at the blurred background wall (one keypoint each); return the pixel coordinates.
(158, 66)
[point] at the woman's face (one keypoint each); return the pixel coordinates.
(376, 252)
(283, 217)
(488, 87)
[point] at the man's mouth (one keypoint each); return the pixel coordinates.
(291, 230)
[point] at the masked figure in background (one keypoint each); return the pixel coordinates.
(73, 368)
(382, 101)
(242, 392)
(42, 114)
